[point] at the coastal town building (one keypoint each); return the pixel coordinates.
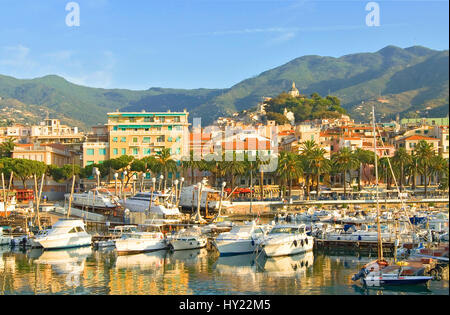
(139, 134)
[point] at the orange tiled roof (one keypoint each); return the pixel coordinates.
(418, 137)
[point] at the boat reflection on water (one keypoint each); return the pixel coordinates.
(236, 265)
(191, 256)
(287, 266)
(145, 261)
(68, 261)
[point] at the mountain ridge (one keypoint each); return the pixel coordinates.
(409, 80)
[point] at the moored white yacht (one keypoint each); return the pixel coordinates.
(134, 241)
(97, 198)
(242, 239)
(286, 239)
(66, 233)
(188, 239)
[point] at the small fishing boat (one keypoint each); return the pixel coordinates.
(66, 233)
(134, 241)
(380, 274)
(188, 239)
(285, 240)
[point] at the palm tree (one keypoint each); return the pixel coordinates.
(439, 167)
(7, 147)
(165, 163)
(385, 171)
(364, 157)
(306, 150)
(192, 163)
(319, 164)
(289, 168)
(402, 160)
(345, 161)
(234, 168)
(425, 154)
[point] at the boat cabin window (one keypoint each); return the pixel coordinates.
(79, 229)
(73, 230)
(284, 230)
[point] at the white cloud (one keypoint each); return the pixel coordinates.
(96, 71)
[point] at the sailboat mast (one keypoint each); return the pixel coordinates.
(380, 244)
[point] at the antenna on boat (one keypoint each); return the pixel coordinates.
(380, 242)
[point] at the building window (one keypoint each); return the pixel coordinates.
(135, 140)
(89, 163)
(90, 151)
(161, 139)
(162, 119)
(123, 139)
(176, 119)
(115, 139)
(135, 151)
(169, 128)
(147, 151)
(102, 151)
(146, 140)
(149, 119)
(123, 151)
(115, 151)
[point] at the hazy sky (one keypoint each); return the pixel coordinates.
(138, 44)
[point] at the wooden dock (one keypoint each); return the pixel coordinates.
(353, 245)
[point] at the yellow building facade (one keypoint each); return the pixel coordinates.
(142, 134)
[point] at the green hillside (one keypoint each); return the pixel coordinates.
(413, 82)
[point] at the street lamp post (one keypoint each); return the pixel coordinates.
(115, 183)
(175, 183)
(221, 197)
(124, 187)
(160, 182)
(97, 172)
(153, 189)
(179, 193)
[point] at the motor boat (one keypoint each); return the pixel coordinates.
(134, 241)
(189, 198)
(285, 240)
(380, 274)
(4, 239)
(161, 207)
(188, 239)
(242, 239)
(351, 234)
(96, 198)
(66, 233)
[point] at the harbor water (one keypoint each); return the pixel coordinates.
(193, 272)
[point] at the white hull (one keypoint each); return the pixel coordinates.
(65, 241)
(235, 247)
(130, 245)
(180, 244)
(290, 245)
(5, 240)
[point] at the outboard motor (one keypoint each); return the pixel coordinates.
(361, 274)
